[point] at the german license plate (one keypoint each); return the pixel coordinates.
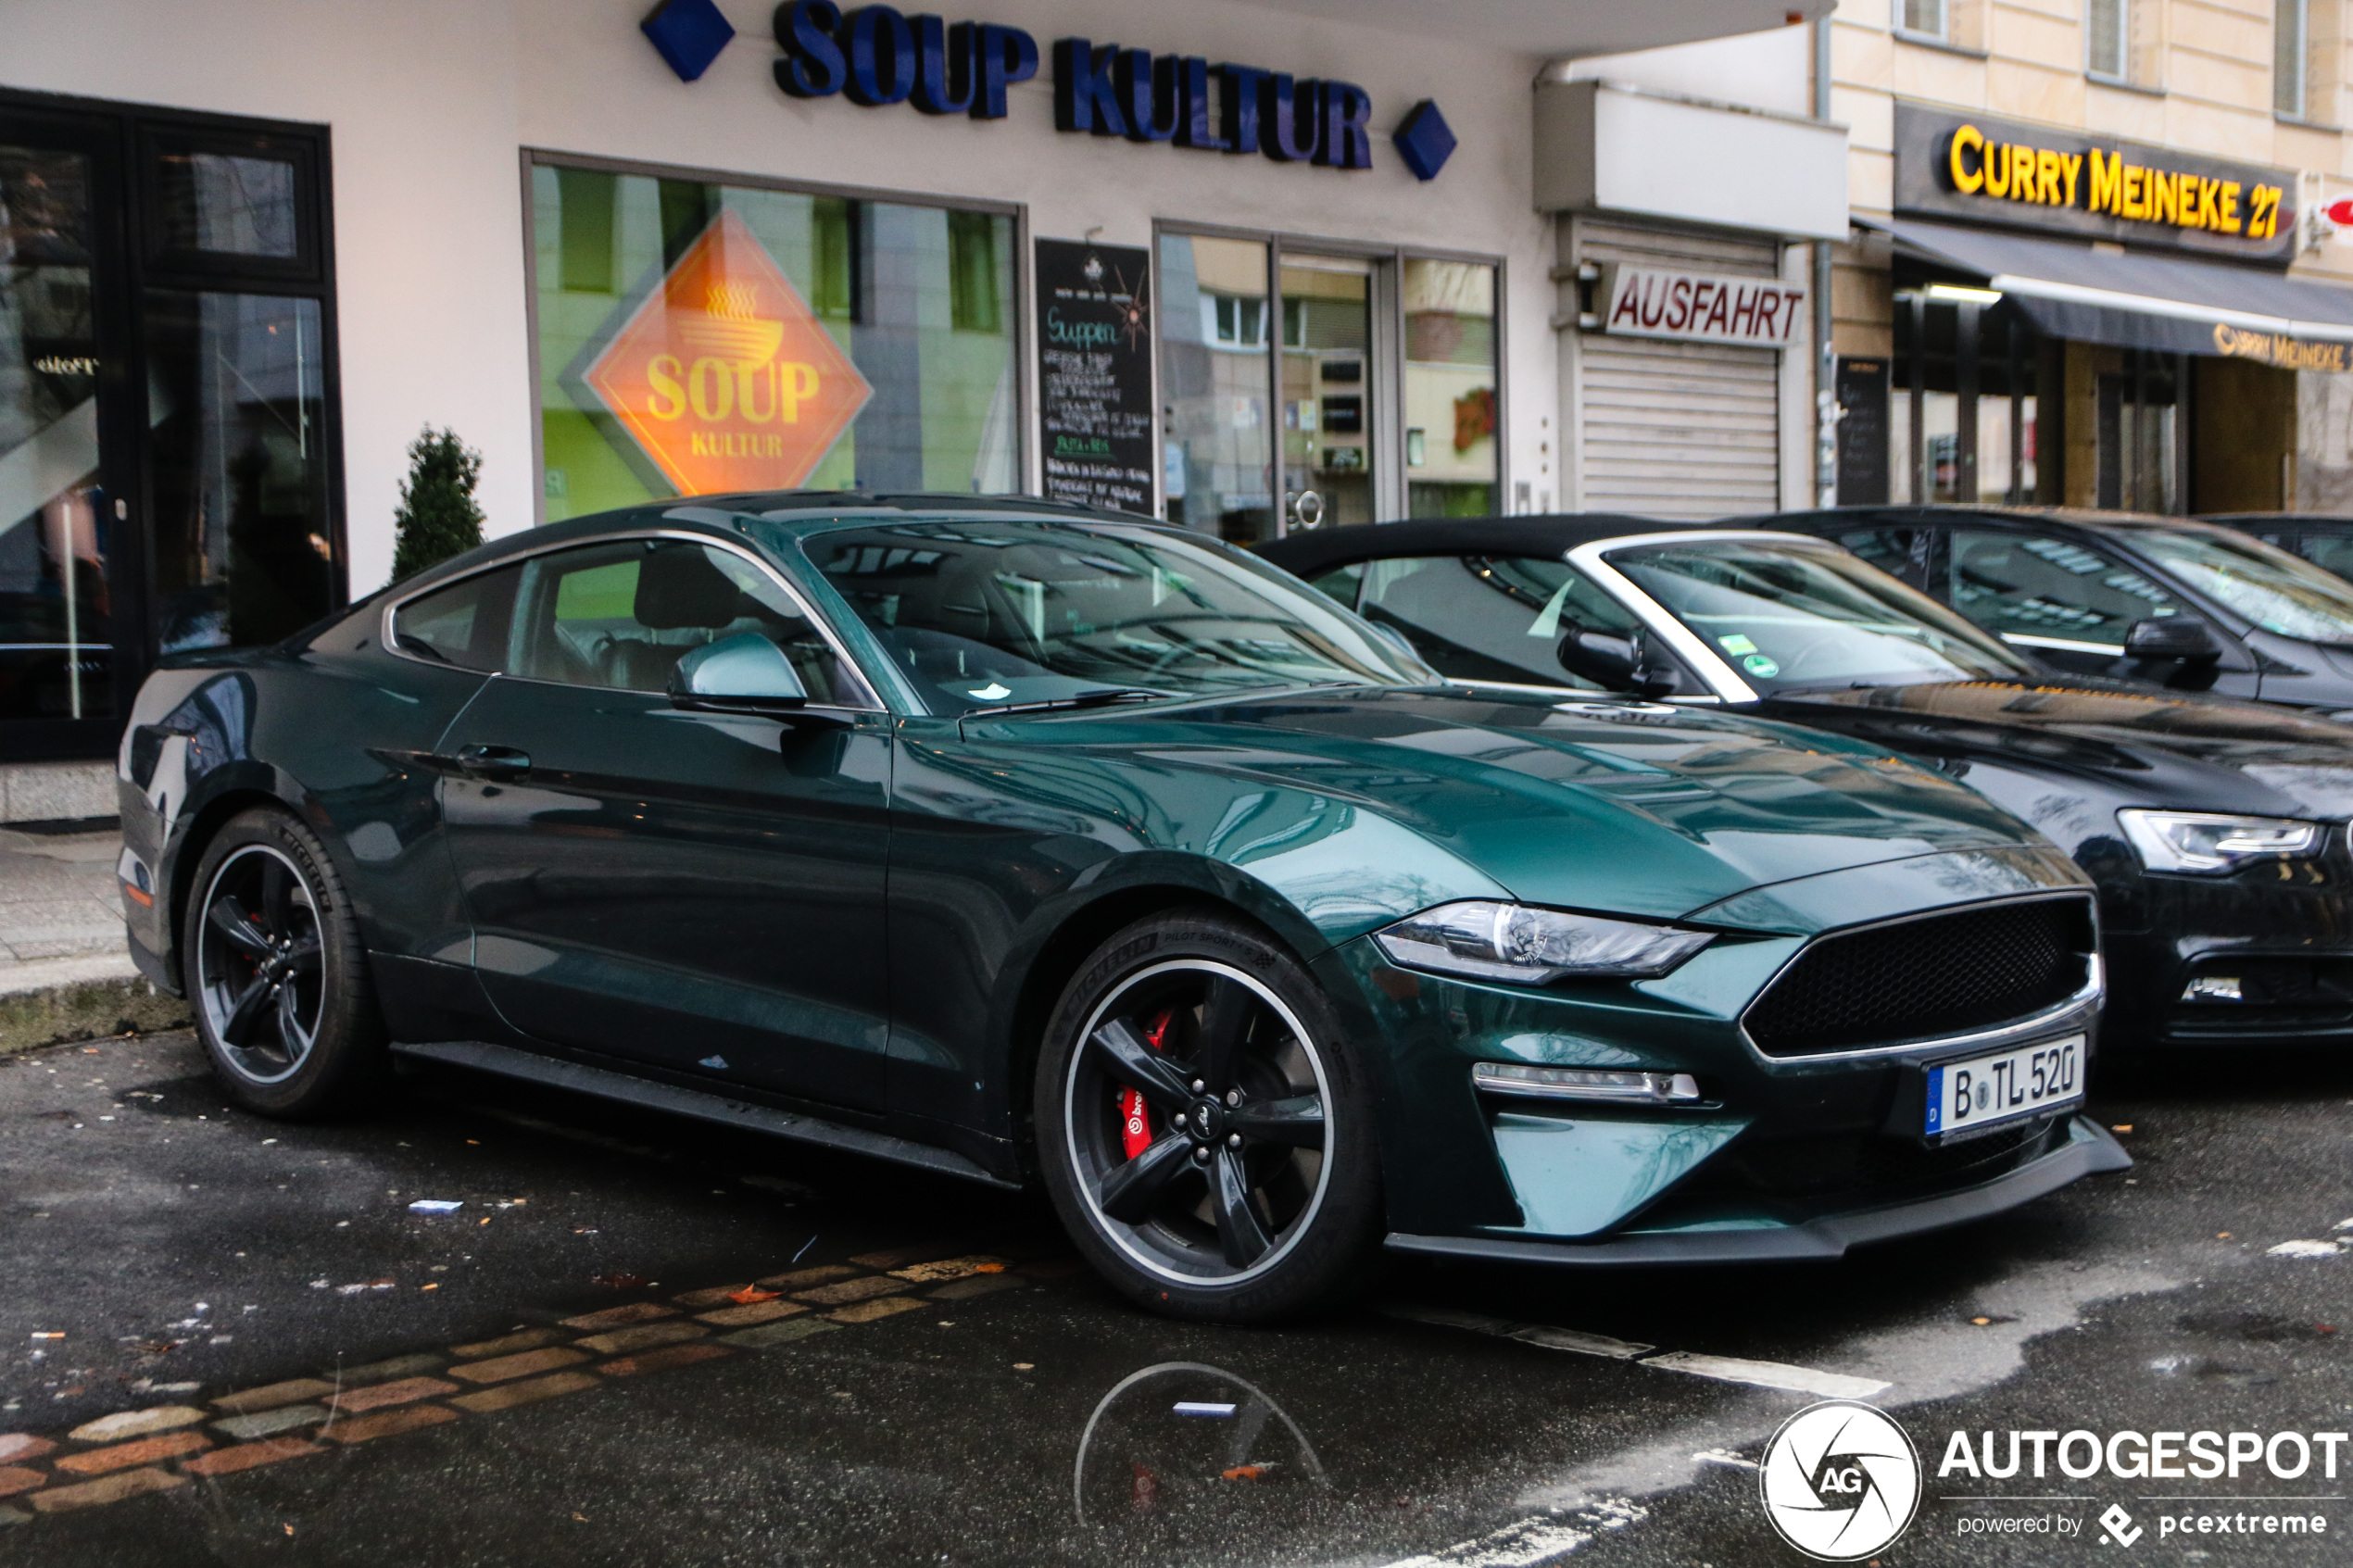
(1985, 1092)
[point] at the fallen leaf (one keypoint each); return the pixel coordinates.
(751, 1293)
(1025, 1366)
(1981, 1322)
(988, 1269)
(2221, 1236)
(1244, 1472)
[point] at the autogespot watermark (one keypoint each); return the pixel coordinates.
(1842, 1481)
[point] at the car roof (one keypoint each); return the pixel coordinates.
(2282, 519)
(1554, 533)
(2072, 517)
(802, 511)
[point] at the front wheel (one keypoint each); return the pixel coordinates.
(1205, 1133)
(276, 972)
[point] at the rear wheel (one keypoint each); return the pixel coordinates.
(1204, 1130)
(276, 974)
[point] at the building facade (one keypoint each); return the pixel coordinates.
(1241, 265)
(2094, 262)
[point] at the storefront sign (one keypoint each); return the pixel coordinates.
(1985, 171)
(1095, 374)
(723, 376)
(2278, 348)
(876, 56)
(1700, 308)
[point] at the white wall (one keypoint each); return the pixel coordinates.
(430, 100)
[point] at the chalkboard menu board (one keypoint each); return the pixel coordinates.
(1862, 432)
(1095, 373)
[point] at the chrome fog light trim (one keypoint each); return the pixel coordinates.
(1585, 1082)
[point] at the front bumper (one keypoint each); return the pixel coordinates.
(2086, 1149)
(2281, 937)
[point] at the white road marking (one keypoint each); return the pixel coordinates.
(1724, 1456)
(1570, 1339)
(1534, 1542)
(2305, 1250)
(1770, 1374)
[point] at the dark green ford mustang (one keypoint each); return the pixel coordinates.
(1027, 844)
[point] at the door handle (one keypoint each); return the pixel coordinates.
(493, 763)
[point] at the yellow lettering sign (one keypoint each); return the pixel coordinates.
(1966, 180)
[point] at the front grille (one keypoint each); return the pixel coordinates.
(1942, 975)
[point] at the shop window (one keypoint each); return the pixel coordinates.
(1217, 442)
(1328, 445)
(2120, 40)
(1450, 389)
(1965, 412)
(765, 339)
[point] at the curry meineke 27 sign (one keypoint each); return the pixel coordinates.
(1981, 169)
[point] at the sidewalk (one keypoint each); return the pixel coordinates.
(64, 971)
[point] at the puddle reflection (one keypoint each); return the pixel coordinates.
(1181, 1440)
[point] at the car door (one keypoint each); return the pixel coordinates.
(2069, 601)
(697, 891)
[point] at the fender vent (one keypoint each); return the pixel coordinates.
(1941, 974)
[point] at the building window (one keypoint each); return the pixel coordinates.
(2287, 58)
(1925, 18)
(2108, 41)
(696, 338)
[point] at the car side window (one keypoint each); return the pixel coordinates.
(1896, 551)
(2330, 552)
(2033, 590)
(1488, 617)
(464, 624)
(621, 615)
(1342, 583)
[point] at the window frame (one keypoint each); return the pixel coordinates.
(387, 640)
(1027, 460)
(2121, 75)
(1385, 356)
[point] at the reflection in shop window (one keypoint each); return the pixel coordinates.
(1450, 450)
(698, 338)
(243, 551)
(56, 621)
(227, 205)
(1217, 444)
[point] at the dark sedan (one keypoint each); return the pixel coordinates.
(1025, 845)
(2323, 538)
(2215, 829)
(2169, 601)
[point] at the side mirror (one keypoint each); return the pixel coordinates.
(1618, 664)
(746, 673)
(2180, 638)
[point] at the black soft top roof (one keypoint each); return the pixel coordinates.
(1552, 534)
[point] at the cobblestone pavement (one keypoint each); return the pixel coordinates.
(636, 1340)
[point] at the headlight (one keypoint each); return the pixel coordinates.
(1511, 942)
(2201, 841)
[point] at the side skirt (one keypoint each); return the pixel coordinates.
(629, 1089)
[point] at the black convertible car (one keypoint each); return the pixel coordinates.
(2215, 829)
(1025, 845)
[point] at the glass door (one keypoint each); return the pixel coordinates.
(1328, 442)
(59, 378)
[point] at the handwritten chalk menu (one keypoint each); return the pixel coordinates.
(1095, 373)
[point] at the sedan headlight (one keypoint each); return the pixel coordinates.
(1484, 940)
(2203, 841)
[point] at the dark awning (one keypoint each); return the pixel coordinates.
(2176, 305)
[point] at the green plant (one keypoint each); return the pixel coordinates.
(438, 517)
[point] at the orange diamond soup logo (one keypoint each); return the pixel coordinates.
(723, 375)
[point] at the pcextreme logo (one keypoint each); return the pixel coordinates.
(1840, 1481)
(725, 376)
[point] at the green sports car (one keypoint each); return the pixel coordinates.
(1031, 846)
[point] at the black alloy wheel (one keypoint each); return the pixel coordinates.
(1209, 1143)
(261, 971)
(275, 971)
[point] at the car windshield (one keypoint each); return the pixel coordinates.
(988, 614)
(2273, 589)
(1788, 613)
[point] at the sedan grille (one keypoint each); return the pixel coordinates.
(1941, 974)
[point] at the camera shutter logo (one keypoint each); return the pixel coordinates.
(1840, 1481)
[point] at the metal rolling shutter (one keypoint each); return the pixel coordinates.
(1677, 429)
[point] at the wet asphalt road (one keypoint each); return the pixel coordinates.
(1020, 1415)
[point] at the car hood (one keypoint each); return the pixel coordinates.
(1611, 804)
(2164, 748)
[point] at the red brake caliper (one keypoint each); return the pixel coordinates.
(1135, 1126)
